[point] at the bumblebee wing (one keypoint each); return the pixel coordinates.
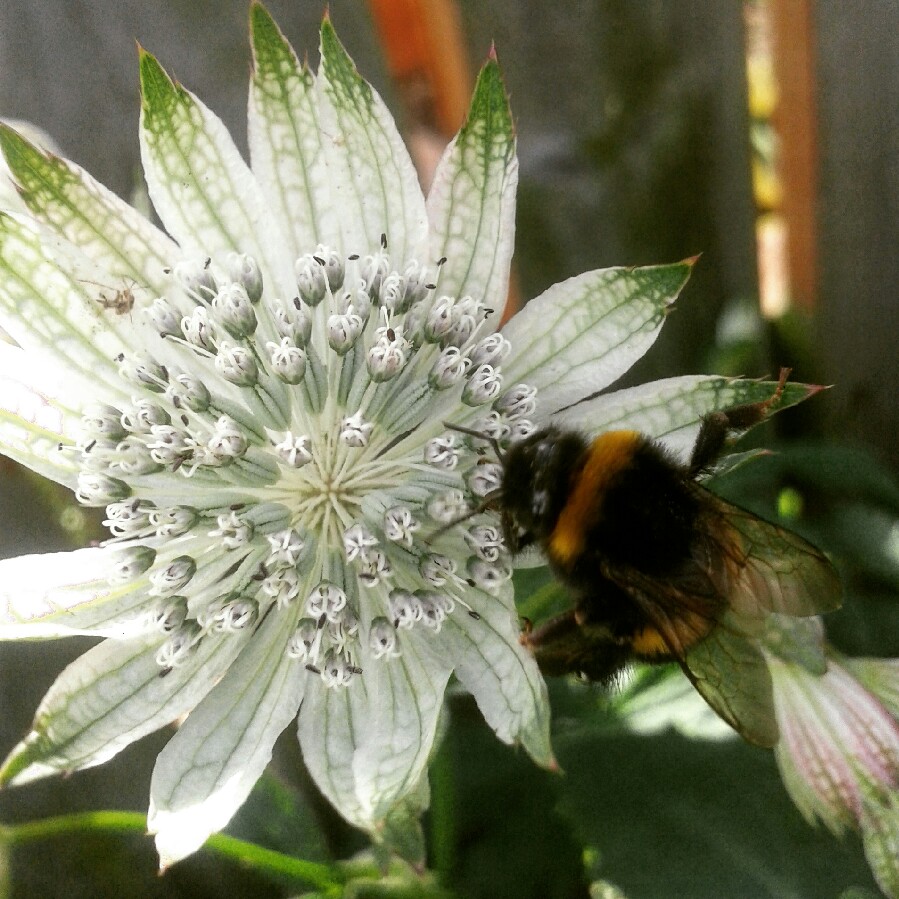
(730, 673)
(772, 569)
(713, 644)
(682, 607)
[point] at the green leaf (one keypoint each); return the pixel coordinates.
(673, 817)
(582, 334)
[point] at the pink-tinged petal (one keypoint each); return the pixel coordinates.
(838, 746)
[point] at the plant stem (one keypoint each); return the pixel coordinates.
(321, 876)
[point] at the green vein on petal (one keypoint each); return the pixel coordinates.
(62, 594)
(107, 230)
(406, 696)
(329, 736)
(33, 422)
(109, 697)
(671, 409)
(202, 189)
(35, 447)
(286, 142)
(582, 334)
(471, 204)
(372, 176)
(208, 768)
(46, 310)
(502, 676)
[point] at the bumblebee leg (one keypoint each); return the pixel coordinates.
(716, 426)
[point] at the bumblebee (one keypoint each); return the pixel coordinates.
(660, 568)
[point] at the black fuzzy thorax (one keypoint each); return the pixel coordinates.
(645, 518)
(538, 475)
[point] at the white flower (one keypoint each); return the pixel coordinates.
(264, 422)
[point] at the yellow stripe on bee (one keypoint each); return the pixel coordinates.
(649, 642)
(609, 454)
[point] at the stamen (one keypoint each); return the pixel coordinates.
(180, 646)
(486, 479)
(356, 539)
(286, 547)
(246, 272)
(312, 281)
(236, 364)
(441, 452)
(400, 525)
(174, 577)
(326, 599)
(131, 563)
(355, 431)
(232, 307)
(234, 531)
(288, 361)
(383, 639)
(295, 451)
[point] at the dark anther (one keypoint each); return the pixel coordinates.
(391, 334)
(473, 614)
(441, 260)
(208, 262)
(383, 241)
(354, 257)
(319, 260)
(431, 286)
(313, 669)
(90, 446)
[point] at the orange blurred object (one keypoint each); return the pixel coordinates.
(426, 57)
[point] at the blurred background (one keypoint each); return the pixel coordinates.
(763, 135)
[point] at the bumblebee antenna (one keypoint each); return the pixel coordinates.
(480, 435)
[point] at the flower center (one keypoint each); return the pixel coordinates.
(291, 455)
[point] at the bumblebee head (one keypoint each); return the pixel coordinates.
(537, 476)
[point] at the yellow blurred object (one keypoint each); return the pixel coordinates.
(762, 85)
(766, 186)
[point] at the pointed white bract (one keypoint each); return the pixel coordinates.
(839, 751)
(258, 399)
